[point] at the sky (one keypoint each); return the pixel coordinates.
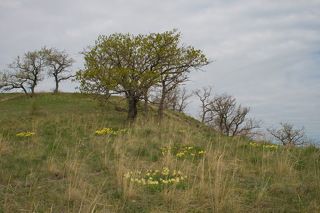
(266, 53)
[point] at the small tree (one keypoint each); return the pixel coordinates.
(179, 61)
(10, 81)
(176, 99)
(204, 96)
(229, 118)
(25, 73)
(58, 63)
(182, 99)
(288, 135)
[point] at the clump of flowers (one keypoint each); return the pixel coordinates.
(109, 131)
(264, 146)
(184, 152)
(25, 134)
(157, 179)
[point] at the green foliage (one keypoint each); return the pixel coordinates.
(128, 64)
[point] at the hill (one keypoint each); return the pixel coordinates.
(68, 153)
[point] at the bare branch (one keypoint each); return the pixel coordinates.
(224, 115)
(288, 135)
(58, 63)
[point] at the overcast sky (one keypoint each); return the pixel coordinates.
(266, 52)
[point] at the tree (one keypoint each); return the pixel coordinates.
(181, 100)
(25, 73)
(131, 65)
(288, 135)
(180, 60)
(175, 100)
(204, 96)
(10, 81)
(120, 63)
(58, 63)
(229, 118)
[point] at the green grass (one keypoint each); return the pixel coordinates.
(65, 167)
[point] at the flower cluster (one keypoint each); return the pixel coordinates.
(25, 134)
(158, 178)
(264, 146)
(109, 131)
(184, 152)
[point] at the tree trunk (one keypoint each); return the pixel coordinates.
(146, 104)
(203, 116)
(162, 100)
(32, 90)
(24, 90)
(56, 90)
(132, 105)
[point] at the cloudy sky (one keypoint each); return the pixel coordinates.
(265, 52)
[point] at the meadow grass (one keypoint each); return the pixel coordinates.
(66, 167)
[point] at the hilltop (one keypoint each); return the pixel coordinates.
(74, 154)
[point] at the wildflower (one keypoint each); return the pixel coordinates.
(184, 152)
(165, 171)
(105, 131)
(109, 131)
(156, 178)
(25, 134)
(180, 154)
(127, 175)
(264, 146)
(201, 152)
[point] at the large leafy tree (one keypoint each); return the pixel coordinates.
(124, 63)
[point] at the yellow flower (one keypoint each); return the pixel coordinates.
(106, 131)
(25, 134)
(180, 154)
(127, 175)
(165, 171)
(201, 152)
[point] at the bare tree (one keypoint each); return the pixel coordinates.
(176, 99)
(204, 96)
(229, 118)
(183, 96)
(25, 73)
(288, 135)
(10, 81)
(58, 63)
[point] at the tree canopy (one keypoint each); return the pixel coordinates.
(131, 64)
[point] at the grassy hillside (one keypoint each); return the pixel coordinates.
(176, 166)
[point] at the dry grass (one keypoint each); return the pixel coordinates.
(65, 167)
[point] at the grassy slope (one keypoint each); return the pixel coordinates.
(66, 168)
